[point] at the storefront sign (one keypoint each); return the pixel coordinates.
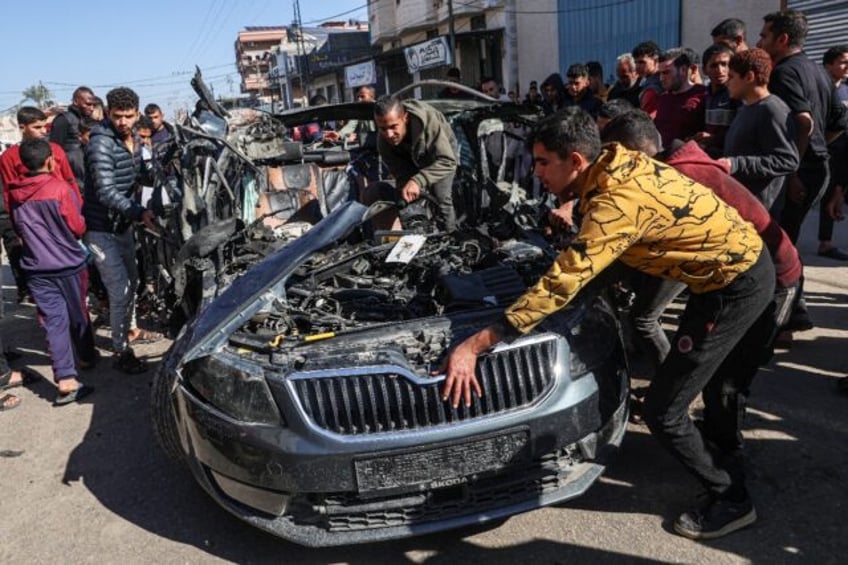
(362, 74)
(429, 54)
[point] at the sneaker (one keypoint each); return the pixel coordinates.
(799, 321)
(127, 362)
(718, 517)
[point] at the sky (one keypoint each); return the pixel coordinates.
(150, 46)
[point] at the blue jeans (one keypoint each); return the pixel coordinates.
(114, 256)
(718, 333)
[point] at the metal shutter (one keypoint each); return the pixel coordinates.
(828, 21)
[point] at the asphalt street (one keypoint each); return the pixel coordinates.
(87, 483)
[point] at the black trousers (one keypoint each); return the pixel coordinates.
(712, 352)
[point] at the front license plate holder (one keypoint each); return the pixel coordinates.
(443, 465)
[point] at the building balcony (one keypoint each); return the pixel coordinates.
(412, 16)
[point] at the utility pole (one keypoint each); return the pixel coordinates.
(451, 34)
(303, 65)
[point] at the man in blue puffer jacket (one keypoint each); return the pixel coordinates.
(113, 165)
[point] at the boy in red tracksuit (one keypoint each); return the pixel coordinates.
(46, 215)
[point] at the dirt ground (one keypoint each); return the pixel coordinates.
(87, 483)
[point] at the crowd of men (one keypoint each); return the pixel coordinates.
(71, 198)
(693, 184)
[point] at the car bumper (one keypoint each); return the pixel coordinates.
(319, 489)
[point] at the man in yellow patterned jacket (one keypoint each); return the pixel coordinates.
(654, 219)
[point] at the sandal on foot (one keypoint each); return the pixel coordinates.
(9, 402)
(63, 399)
(28, 377)
(144, 336)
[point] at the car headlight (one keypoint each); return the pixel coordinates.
(239, 393)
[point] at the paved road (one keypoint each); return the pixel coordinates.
(87, 483)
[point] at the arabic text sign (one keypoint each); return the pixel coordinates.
(431, 53)
(360, 75)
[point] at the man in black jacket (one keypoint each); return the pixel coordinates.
(66, 129)
(113, 164)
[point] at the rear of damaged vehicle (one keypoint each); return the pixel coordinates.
(304, 398)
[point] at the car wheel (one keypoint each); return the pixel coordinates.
(162, 410)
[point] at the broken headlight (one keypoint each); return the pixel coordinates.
(238, 393)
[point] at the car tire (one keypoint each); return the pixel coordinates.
(162, 412)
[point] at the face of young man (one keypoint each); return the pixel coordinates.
(770, 43)
(737, 85)
(392, 126)
(123, 121)
(555, 173)
(551, 94)
(85, 102)
(34, 130)
(364, 95)
(157, 118)
(838, 69)
(671, 77)
(646, 65)
(490, 88)
(576, 85)
(145, 135)
(717, 68)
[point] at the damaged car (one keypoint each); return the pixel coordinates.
(303, 392)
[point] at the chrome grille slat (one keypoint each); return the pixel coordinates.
(354, 404)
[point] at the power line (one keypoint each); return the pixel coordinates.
(318, 21)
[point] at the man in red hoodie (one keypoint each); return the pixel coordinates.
(46, 214)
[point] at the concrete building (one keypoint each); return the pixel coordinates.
(253, 48)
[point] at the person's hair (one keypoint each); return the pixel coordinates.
(680, 56)
(646, 48)
(577, 70)
(81, 90)
(122, 98)
(34, 152)
(634, 130)
(387, 104)
(567, 131)
(714, 50)
(791, 22)
(318, 100)
(151, 109)
(486, 79)
(144, 122)
(30, 114)
(533, 83)
(753, 60)
(453, 72)
(731, 27)
(626, 58)
(595, 69)
(614, 108)
(367, 87)
(86, 124)
(834, 53)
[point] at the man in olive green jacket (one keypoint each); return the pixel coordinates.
(418, 147)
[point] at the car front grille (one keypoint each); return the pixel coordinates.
(378, 402)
